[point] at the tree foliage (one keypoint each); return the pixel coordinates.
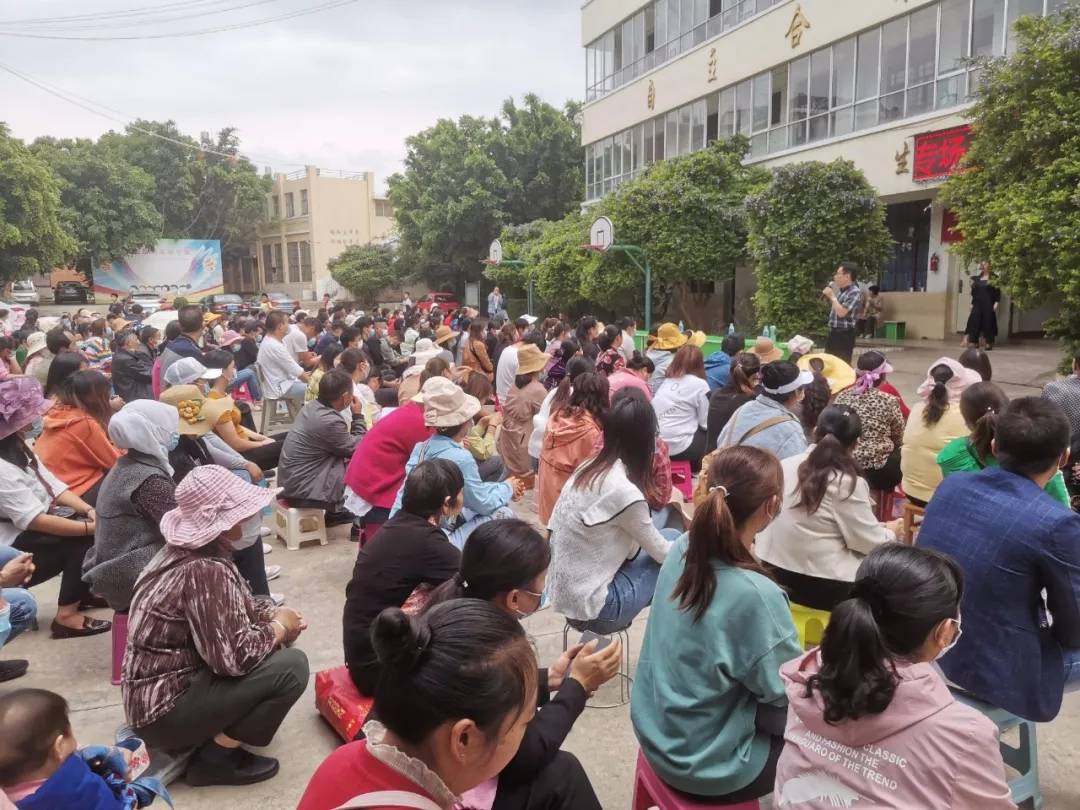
(364, 270)
(810, 218)
(107, 203)
(464, 180)
(1017, 203)
(32, 238)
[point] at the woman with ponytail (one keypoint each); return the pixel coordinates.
(933, 423)
(741, 387)
(980, 406)
(718, 632)
(871, 722)
(827, 525)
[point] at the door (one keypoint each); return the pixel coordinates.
(962, 287)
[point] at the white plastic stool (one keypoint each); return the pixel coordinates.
(289, 525)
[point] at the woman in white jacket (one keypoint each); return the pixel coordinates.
(827, 525)
(605, 551)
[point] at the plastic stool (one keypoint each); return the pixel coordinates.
(911, 511)
(651, 791)
(810, 623)
(1024, 760)
(242, 393)
(883, 503)
(289, 525)
(682, 480)
(625, 681)
(119, 646)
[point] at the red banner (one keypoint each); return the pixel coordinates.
(949, 232)
(937, 154)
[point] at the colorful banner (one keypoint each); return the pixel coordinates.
(175, 267)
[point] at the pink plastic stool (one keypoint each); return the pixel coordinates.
(681, 478)
(650, 791)
(119, 646)
(242, 393)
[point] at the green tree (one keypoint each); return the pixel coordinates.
(32, 238)
(689, 216)
(1017, 202)
(107, 203)
(464, 180)
(809, 219)
(364, 270)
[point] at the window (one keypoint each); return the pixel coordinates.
(278, 265)
(290, 209)
(909, 225)
(303, 202)
(276, 204)
(268, 265)
(294, 262)
(305, 261)
(684, 130)
(1018, 9)
(382, 209)
(988, 24)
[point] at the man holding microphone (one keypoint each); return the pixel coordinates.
(844, 309)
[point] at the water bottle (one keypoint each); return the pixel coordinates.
(681, 329)
(731, 329)
(772, 333)
(765, 331)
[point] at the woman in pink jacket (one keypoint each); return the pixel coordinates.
(870, 720)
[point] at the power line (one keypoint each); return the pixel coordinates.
(177, 15)
(101, 15)
(235, 27)
(85, 104)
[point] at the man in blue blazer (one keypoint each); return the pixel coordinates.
(1018, 650)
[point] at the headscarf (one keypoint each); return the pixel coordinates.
(146, 426)
(865, 380)
(960, 381)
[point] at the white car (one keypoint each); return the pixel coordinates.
(150, 302)
(25, 292)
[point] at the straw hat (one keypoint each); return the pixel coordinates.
(35, 343)
(444, 334)
(197, 414)
(209, 501)
(446, 405)
(209, 317)
(669, 337)
(838, 374)
(766, 350)
(697, 339)
(22, 402)
(531, 359)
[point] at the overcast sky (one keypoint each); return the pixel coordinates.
(341, 89)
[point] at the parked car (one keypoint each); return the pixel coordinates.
(223, 303)
(25, 292)
(71, 292)
(150, 302)
(447, 302)
(282, 301)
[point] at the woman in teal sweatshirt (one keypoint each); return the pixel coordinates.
(708, 705)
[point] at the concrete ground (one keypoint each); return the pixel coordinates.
(314, 580)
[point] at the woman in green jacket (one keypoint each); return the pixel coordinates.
(708, 705)
(980, 405)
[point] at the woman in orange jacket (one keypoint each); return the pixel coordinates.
(577, 419)
(75, 443)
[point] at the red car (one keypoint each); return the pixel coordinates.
(447, 302)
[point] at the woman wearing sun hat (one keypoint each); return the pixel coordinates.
(768, 421)
(668, 341)
(205, 664)
(521, 405)
(766, 351)
(38, 514)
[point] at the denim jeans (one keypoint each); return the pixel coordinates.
(247, 376)
(630, 592)
(23, 604)
(1072, 670)
(461, 533)
(295, 391)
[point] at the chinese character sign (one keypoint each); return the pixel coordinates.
(938, 154)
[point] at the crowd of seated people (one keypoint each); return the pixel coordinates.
(135, 475)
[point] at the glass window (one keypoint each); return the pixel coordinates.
(268, 265)
(305, 261)
(686, 16)
(660, 138)
(866, 114)
(800, 74)
(701, 12)
(294, 262)
(671, 139)
(819, 128)
(742, 108)
(712, 117)
(627, 151)
(276, 200)
(635, 148)
(673, 28)
(987, 27)
(588, 67)
(609, 60)
(762, 103)
(843, 72)
(650, 29)
(820, 64)
(617, 64)
(303, 202)
(893, 55)
(866, 65)
(955, 35)
(697, 125)
(628, 43)
(730, 13)
(920, 99)
(647, 143)
(589, 165)
(1017, 9)
(661, 15)
(607, 162)
(923, 47)
(727, 112)
(891, 107)
(841, 122)
(778, 139)
(778, 113)
(616, 155)
(684, 130)
(639, 36)
(290, 206)
(951, 91)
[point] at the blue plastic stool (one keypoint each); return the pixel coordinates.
(1024, 760)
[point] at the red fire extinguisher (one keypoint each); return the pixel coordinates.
(934, 262)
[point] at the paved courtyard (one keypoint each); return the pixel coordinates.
(314, 580)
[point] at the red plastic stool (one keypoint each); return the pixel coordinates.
(682, 478)
(119, 646)
(650, 791)
(883, 504)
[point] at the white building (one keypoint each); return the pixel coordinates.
(878, 82)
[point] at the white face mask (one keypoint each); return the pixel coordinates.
(956, 638)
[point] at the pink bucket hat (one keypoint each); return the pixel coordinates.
(21, 403)
(229, 338)
(210, 500)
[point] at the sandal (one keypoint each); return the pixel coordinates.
(91, 627)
